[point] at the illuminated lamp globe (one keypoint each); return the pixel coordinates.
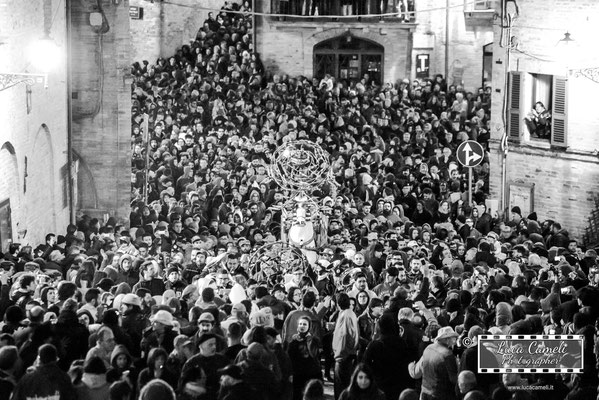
(44, 54)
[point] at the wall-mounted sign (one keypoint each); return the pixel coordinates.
(423, 62)
(136, 12)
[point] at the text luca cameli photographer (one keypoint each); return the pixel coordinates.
(530, 353)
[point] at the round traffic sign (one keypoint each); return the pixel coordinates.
(470, 153)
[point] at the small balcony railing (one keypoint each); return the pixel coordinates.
(348, 10)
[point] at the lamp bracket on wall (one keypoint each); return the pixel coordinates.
(10, 79)
(589, 73)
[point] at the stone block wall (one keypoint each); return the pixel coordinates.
(288, 48)
(33, 137)
(566, 179)
(165, 27)
(467, 36)
(101, 96)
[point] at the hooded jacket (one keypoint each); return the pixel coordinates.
(93, 387)
(114, 373)
(131, 277)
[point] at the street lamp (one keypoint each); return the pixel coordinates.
(568, 47)
(44, 55)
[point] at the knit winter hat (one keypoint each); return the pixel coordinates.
(503, 314)
(14, 314)
(9, 355)
(157, 389)
(475, 331)
(94, 366)
(47, 354)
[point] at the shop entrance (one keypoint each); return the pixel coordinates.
(349, 58)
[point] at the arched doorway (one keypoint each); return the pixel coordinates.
(349, 58)
(9, 193)
(487, 65)
(38, 187)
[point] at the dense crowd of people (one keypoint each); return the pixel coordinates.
(167, 305)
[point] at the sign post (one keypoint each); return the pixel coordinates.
(470, 154)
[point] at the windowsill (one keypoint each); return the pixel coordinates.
(542, 147)
(537, 142)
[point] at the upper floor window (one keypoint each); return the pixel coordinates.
(537, 108)
(402, 10)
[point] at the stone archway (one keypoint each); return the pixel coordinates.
(395, 47)
(9, 194)
(86, 192)
(9, 184)
(348, 58)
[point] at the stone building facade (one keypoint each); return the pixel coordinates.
(38, 176)
(558, 176)
(33, 137)
(101, 107)
(451, 36)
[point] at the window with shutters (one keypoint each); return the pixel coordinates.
(537, 108)
(559, 125)
(514, 105)
(538, 118)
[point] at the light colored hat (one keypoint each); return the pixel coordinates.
(445, 333)
(206, 317)
(163, 317)
(238, 307)
(131, 299)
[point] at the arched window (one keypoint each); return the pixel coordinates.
(349, 58)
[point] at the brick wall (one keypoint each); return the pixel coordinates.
(165, 27)
(102, 108)
(467, 36)
(566, 180)
(289, 47)
(39, 209)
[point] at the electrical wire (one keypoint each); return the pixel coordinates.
(55, 14)
(531, 55)
(100, 62)
(537, 27)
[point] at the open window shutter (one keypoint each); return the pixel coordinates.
(559, 119)
(514, 101)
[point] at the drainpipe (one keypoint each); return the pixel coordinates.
(69, 114)
(447, 41)
(254, 29)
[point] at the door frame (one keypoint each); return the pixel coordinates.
(6, 203)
